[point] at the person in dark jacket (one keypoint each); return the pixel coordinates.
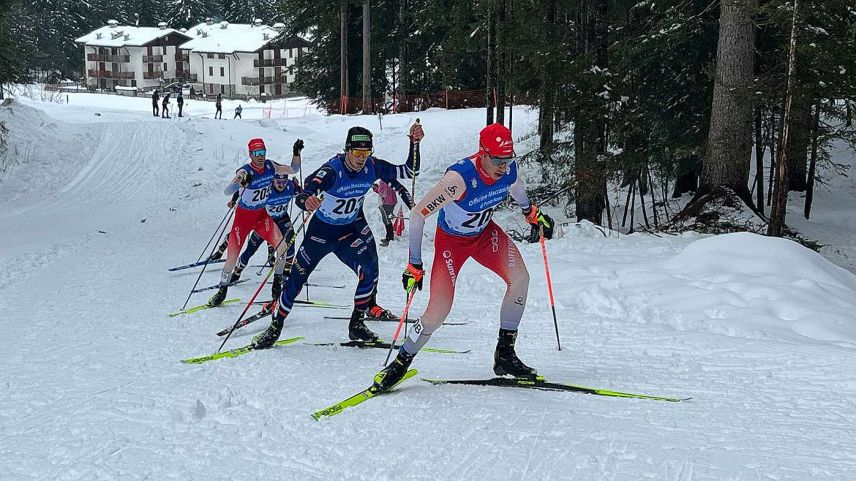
(180, 102)
(155, 98)
(219, 105)
(165, 107)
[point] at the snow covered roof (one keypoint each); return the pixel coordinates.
(225, 37)
(114, 35)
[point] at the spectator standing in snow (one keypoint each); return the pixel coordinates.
(388, 200)
(165, 107)
(238, 110)
(155, 98)
(180, 102)
(219, 105)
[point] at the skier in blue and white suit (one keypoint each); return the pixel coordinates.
(277, 205)
(337, 191)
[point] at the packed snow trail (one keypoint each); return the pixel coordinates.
(758, 332)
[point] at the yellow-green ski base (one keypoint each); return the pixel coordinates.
(352, 401)
(236, 352)
(203, 307)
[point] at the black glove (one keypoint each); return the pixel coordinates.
(248, 178)
(412, 276)
(298, 146)
(297, 187)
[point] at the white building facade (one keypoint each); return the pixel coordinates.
(134, 57)
(242, 60)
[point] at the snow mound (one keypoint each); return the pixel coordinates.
(744, 256)
(748, 285)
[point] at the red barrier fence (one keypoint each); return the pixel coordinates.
(447, 99)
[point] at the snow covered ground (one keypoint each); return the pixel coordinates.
(759, 332)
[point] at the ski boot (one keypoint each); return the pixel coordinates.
(269, 336)
(276, 287)
(271, 256)
(384, 242)
(381, 314)
(392, 374)
(218, 297)
(218, 254)
(505, 360)
(236, 274)
(357, 330)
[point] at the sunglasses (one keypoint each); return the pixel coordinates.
(361, 153)
(258, 152)
(497, 161)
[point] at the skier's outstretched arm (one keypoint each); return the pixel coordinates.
(295, 160)
(450, 188)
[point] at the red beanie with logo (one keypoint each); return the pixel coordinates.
(495, 139)
(256, 144)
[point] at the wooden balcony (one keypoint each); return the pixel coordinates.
(97, 57)
(153, 75)
(110, 74)
(276, 79)
(152, 58)
(182, 57)
(270, 62)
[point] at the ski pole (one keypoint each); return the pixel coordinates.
(403, 320)
(413, 172)
(229, 213)
(549, 285)
(264, 281)
(207, 261)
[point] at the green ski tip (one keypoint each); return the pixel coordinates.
(202, 308)
(358, 398)
(236, 352)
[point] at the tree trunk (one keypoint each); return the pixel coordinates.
(343, 53)
(730, 139)
(402, 54)
(776, 226)
(815, 135)
(759, 160)
(799, 138)
(590, 126)
(771, 142)
(367, 57)
(490, 68)
(546, 102)
(501, 65)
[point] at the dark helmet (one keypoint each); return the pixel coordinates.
(358, 138)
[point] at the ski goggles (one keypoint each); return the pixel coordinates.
(361, 153)
(258, 152)
(280, 182)
(498, 161)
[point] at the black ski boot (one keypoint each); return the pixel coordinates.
(271, 255)
(219, 252)
(219, 297)
(270, 335)
(276, 287)
(381, 314)
(236, 274)
(505, 360)
(392, 374)
(357, 330)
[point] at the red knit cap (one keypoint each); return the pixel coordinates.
(256, 144)
(495, 139)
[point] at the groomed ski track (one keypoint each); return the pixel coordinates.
(93, 388)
